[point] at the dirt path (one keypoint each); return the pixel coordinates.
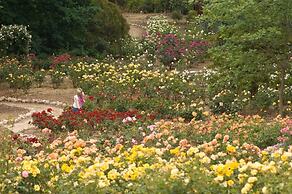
(137, 22)
(10, 112)
(31, 107)
(44, 93)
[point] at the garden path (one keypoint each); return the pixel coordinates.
(137, 22)
(23, 124)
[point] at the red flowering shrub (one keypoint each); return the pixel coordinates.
(80, 120)
(91, 98)
(196, 51)
(60, 59)
(45, 119)
(24, 139)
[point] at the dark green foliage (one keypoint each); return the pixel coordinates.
(121, 3)
(176, 15)
(145, 6)
(148, 6)
(106, 27)
(67, 25)
(192, 15)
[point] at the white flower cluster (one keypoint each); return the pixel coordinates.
(15, 37)
(160, 24)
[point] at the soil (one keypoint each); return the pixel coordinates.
(137, 22)
(25, 123)
(10, 112)
(47, 93)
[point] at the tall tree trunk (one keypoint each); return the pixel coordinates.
(281, 90)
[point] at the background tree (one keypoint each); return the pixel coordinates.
(66, 25)
(105, 27)
(253, 41)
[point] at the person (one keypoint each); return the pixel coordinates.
(78, 100)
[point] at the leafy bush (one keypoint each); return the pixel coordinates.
(182, 6)
(18, 77)
(191, 15)
(150, 6)
(14, 39)
(57, 78)
(39, 77)
(146, 6)
(107, 19)
(176, 15)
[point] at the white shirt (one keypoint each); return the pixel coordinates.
(76, 102)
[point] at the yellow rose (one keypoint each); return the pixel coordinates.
(37, 188)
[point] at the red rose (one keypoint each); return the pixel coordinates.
(91, 98)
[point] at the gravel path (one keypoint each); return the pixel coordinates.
(23, 124)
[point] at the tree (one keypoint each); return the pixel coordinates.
(106, 26)
(65, 25)
(253, 41)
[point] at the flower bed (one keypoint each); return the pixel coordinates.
(76, 165)
(90, 120)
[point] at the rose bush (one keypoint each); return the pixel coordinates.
(159, 161)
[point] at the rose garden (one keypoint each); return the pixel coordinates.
(180, 96)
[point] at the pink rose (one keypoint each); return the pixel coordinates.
(225, 138)
(46, 131)
(25, 174)
(218, 136)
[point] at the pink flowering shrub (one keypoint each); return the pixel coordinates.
(286, 134)
(171, 49)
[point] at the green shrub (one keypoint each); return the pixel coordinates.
(18, 77)
(107, 19)
(183, 5)
(176, 15)
(192, 14)
(150, 6)
(39, 77)
(147, 6)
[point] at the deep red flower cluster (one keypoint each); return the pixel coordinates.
(79, 120)
(60, 59)
(25, 138)
(91, 98)
(45, 119)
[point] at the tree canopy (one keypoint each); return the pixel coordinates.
(66, 25)
(253, 40)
